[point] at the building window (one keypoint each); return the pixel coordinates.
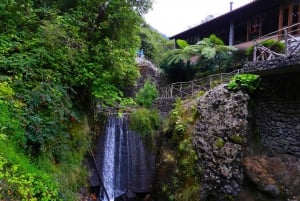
(254, 28)
(290, 15)
(295, 17)
(285, 17)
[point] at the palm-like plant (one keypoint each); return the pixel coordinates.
(179, 55)
(208, 52)
(210, 47)
(201, 58)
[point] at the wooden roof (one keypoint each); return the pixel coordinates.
(251, 9)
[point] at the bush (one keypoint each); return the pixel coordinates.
(147, 94)
(10, 125)
(145, 122)
(20, 180)
(274, 45)
(248, 82)
(179, 156)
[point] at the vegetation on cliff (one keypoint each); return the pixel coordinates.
(55, 57)
(177, 171)
(188, 62)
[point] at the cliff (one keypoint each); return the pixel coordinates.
(247, 145)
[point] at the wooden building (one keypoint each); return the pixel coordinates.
(241, 26)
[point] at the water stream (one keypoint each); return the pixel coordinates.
(124, 163)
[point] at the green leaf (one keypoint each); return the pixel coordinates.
(182, 43)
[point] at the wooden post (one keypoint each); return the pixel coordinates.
(280, 20)
(180, 90)
(298, 27)
(171, 91)
(254, 50)
(286, 49)
(192, 88)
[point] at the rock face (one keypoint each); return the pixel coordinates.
(275, 175)
(249, 153)
(147, 72)
(220, 138)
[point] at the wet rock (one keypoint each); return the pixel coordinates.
(272, 189)
(278, 175)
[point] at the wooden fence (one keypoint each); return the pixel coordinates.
(285, 35)
(191, 88)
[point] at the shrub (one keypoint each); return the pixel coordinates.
(184, 176)
(145, 122)
(10, 125)
(248, 82)
(20, 180)
(147, 94)
(219, 142)
(274, 45)
(237, 139)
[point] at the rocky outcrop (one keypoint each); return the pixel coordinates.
(277, 175)
(148, 71)
(248, 153)
(220, 137)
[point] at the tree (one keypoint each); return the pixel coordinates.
(154, 43)
(177, 63)
(204, 56)
(141, 6)
(213, 53)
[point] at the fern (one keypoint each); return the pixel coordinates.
(182, 43)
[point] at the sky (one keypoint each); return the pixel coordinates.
(171, 17)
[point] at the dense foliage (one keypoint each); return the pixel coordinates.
(19, 178)
(154, 44)
(179, 174)
(248, 82)
(55, 56)
(145, 120)
(274, 45)
(210, 55)
(146, 95)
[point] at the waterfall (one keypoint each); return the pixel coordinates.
(113, 155)
(123, 162)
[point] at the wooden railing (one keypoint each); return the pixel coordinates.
(188, 89)
(285, 35)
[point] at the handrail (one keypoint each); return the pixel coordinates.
(279, 30)
(184, 89)
(292, 44)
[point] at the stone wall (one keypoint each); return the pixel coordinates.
(164, 105)
(277, 111)
(278, 123)
(281, 63)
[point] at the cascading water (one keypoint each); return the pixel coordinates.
(113, 154)
(124, 164)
